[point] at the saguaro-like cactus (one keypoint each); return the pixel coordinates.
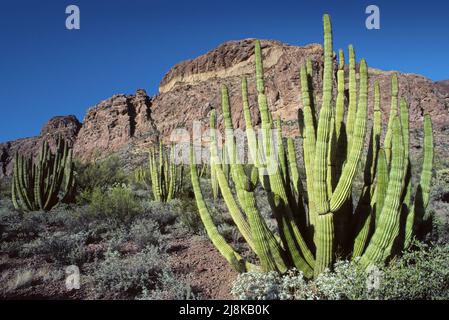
(45, 183)
(317, 219)
(162, 173)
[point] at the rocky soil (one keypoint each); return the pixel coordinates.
(195, 257)
(213, 274)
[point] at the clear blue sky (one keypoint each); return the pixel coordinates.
(47, 70)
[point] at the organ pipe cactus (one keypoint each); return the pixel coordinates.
(46, 182)
(164, 175)
(142, 175)
(317, 220)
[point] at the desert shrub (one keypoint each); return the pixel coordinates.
(119, 203)
(437, 227)
(295, 287)
(13, 280)
(272, 286)
(100, 174)
(117, 238)
(22, 278)
(229, 232)
(170, 287)
(60, 247)
(346, 281)
(164, 213)
(190, 218)
(71, 218)
(141, 233)
(16, 229)
(418, 274)
(144, 232)
(5, 188)
(19, 226)
(11, 248)
(439, 233)
(127, 277)
(257, 286)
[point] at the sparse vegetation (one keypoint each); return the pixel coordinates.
(144, 233)
(116, 235)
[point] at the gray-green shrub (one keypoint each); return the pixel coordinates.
(419, 274)
(60, 247)
(170, 287)
(144, 232)
(120, 276)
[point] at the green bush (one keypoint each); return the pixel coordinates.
(419, 274)
(119, 203)
(439, 233)
(100, 174)
(70, 218)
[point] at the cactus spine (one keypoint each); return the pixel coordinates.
(46, 182)
(316, 221)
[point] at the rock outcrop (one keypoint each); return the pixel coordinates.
(114, 123)
(191, 89)
(66, 127)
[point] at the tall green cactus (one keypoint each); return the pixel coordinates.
(162, 173)
(317, 220)
(46, 182)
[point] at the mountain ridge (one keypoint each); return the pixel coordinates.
(190, 89)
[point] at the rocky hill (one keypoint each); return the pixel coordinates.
(114, 123)
(191, 89)
(66, 127)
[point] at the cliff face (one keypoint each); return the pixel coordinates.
(191, 88)
(114, 123)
